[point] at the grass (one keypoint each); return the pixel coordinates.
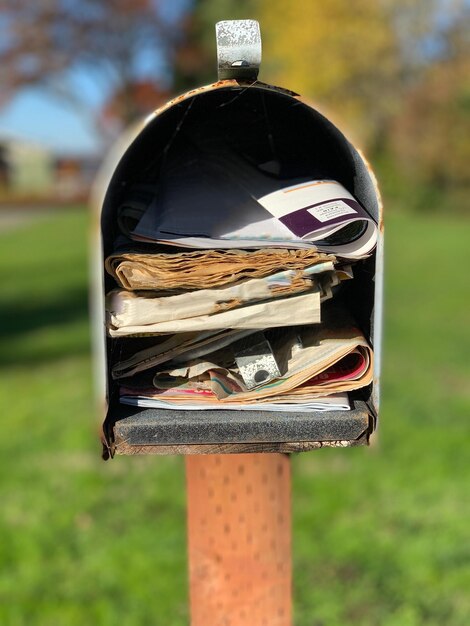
(380, 535)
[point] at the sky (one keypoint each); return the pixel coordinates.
(36, 116)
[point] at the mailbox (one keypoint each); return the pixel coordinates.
(233, 123)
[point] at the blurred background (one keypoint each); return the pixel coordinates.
(380, 534)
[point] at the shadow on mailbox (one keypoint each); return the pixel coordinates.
(241, 263)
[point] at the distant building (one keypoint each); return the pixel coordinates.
(74, 176)
(25, 168)
(33, 172)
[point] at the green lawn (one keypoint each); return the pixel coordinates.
(380, 534)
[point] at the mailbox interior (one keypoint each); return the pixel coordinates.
(263, 124)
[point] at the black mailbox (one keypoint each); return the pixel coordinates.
(220, 157)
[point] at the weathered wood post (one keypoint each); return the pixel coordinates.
(239, 539)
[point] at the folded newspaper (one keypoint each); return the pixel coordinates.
(176, 348)
(300, 309)
(127, 308)
(163, 271)
(314, 361)
(307, 353)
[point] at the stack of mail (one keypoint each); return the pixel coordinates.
(318, 364)
(226, 269)
(251, 303)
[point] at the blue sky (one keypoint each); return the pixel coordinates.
(37, 116)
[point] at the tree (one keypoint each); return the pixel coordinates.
(145, 96)
(116, 43)
(346, 56)
(327, 51)
(356, 60)
(430, 135)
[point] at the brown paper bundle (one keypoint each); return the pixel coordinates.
(205, 268)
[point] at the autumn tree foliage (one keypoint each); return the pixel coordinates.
(340, 55)
(430, 136)
(392, 73)
(120, 44)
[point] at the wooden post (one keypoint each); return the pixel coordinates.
(239, 539)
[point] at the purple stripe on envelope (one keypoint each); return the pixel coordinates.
(301, 222)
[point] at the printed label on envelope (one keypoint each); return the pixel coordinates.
(330, 210)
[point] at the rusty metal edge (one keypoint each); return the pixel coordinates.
(220, 84)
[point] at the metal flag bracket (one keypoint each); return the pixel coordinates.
(238, 49)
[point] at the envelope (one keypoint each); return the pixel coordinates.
(300, 309)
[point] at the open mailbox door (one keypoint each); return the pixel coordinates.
(241, 266)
